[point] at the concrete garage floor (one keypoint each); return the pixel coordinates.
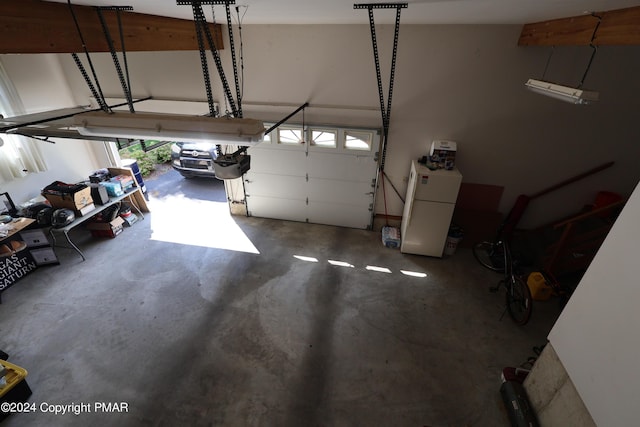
(193, 320)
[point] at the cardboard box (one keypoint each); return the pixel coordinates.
(87, 210)
(443, 153)
(74, 201)
(106, 229)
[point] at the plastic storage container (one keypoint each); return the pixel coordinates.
(451, 245)
(16, 388)
(133, 165)
(540, 290)
(454, 237)
(391, 237)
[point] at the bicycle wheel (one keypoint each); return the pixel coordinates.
(519, 302)
(490, 255)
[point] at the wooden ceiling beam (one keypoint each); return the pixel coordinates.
(619, 27)
(616, 27)
(34, 26)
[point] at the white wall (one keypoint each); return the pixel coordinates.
(42, 85)
(596, 337)
(464, 83)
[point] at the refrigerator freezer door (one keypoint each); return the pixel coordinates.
(425, 231)
(438, 185)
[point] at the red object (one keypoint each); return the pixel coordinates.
(603, 199)
(606, 198)
(514, 374)
(512, 219)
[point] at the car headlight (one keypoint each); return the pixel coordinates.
(175, 148)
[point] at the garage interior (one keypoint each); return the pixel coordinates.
(292, 326)
(195, 316)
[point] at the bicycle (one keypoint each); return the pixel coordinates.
(496, 256)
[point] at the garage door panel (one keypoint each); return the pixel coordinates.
(341, 192)
(324, 185)
(277, 186)
(274, 161)
(338, 214)
(277, 208)
(345, 166)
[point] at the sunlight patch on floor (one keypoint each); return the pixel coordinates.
(177, 219)
(340, 263)
(413, 273)
(378, 269)
(306, 258)
(373, 268)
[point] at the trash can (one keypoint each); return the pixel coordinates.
(453, 238)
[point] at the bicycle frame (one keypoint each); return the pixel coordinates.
(518, 297)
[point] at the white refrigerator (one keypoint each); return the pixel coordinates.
(431, 198)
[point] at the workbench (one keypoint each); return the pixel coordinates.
(129, 196)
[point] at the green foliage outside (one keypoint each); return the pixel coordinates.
(147, 161)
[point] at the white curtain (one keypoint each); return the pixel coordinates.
(18, 155)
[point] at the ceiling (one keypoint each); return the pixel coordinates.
(342, 12)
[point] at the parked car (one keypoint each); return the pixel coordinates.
(194, 159)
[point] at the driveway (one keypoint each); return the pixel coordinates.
(166, 181)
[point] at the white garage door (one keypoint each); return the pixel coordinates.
(326, 177)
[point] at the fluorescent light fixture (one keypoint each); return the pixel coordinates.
(563, 93)
(170, 127)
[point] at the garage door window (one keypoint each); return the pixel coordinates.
(324, 138)
(290, 135)
(356, 140)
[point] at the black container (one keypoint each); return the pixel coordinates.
(99, 194)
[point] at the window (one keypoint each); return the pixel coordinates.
(290, 135)
(355, 140)
(321, 137)
(18, 155)
(324, 138)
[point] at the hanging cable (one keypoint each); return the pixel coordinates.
(199, 21)
(305, 137)
(392, 73)
(400, 196)
(114, 55)
(233, 60)
(546, 66)
(96, 90)
(593, 52)
(198, 15)
(217, 36)
(241, 48)
(124, 58)
(384, 199)
(384, 111)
